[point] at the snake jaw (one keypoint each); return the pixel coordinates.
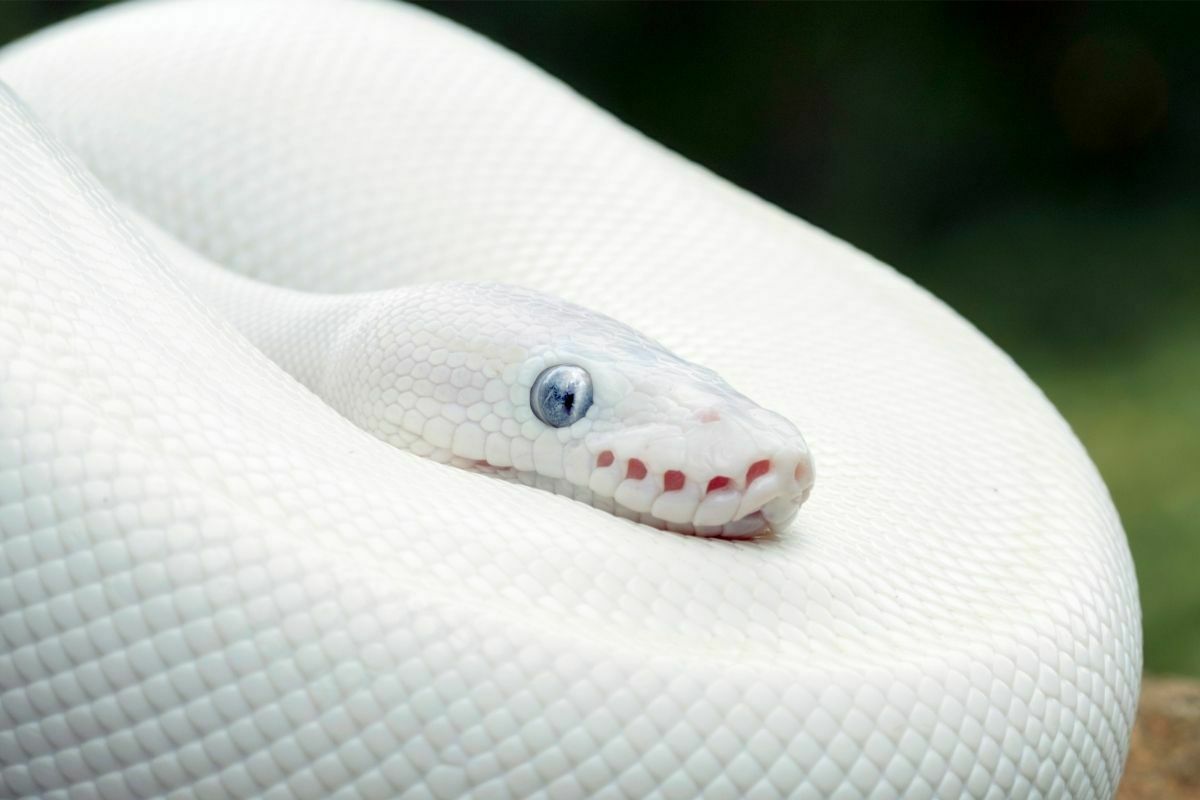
(711, 463)
(726, 469)
(696, 498)
(765, 498)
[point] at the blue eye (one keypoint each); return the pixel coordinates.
(561, 395)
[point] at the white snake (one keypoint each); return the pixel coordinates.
(214, 585)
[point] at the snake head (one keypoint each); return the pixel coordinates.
(521, 385)
(662, 440)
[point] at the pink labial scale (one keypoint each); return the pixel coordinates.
(636, 470)
(718, 483)
(717, 508)
(673, 480)
(757, 470)
(605, 459)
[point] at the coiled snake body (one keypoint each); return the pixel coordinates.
(214, 584)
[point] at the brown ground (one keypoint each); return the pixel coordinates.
(1164, 759)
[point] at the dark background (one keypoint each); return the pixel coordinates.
(1037, 166)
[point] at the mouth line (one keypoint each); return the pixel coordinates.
(721, 508)
(751, 526)
(766, 494)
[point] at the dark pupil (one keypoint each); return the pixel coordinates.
(568, 401)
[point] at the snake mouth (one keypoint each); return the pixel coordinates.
(764, 498)
(748, 527)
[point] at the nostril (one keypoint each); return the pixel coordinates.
(673, 480)
(757, 470)
(605, 459)
(636, 470)
(709, 415)
(719, 482)
(803, 472)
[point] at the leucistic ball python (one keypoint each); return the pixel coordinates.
(213, 583)
(524, 386)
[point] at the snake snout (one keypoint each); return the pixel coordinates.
(702, 460)
(797, 476)
(766, 497)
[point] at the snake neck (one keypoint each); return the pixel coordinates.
(294, 329)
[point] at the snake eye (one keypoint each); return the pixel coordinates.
(561, 395)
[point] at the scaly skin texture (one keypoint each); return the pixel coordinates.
(212, 584)
(444, 370)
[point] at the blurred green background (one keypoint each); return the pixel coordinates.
(1037, 166)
